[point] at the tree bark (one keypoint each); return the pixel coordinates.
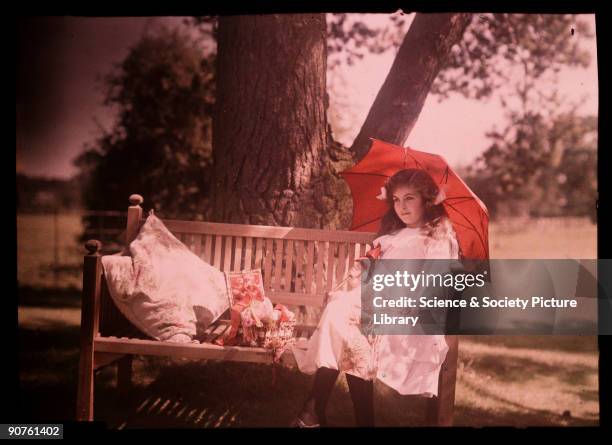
(271, 140)
(401, 98)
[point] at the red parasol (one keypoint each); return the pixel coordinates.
(467, 213)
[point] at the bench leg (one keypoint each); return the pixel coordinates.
(124, 374)
(440, 409)
(85, 389)
(90, 315)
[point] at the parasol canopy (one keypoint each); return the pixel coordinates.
(468, 214)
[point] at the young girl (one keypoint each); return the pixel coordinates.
(415, 227)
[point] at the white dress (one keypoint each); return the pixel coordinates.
(410, 364)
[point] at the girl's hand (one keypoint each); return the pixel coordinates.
(356, 270)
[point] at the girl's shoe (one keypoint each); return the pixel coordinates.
(307, 417)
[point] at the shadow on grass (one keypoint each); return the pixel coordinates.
(587, 395)
(42, 351)
(48, 371)
(214, 394)
(204, 395)
(184, 395)
(521, 369)
(192, 394)
(470, 416)
(518, 415)
(49, 297)
(565, 343)
(208, 394)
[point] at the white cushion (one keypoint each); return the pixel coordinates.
(163, 288)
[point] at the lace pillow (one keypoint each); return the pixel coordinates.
(163, 288)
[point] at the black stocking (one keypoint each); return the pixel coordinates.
(362, 394)
(324, 381)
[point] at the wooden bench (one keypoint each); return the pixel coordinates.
(299, 267)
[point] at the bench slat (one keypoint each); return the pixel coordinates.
(331, 254)
(309, 266)
(227, 254)
(296, 233)
(188, 350)
(299, 264)
(341, 261)
(258, 254)
(351, 258)
(237, 253)
(248, 247)
(208, 249)
(288, 266)
(278, 263)
(267, 264)
(298, 299)
(197, 245)
(217, 260)
(321, 251)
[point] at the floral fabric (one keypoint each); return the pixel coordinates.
(245, 286)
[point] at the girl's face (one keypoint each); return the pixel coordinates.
(409, 206)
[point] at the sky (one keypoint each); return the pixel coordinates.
(60, 62)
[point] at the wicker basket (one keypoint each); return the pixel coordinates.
(270, 335)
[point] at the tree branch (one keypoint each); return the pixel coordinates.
(400, 100)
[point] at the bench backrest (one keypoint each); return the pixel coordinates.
(298, 265)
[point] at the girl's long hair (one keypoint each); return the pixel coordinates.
(423, 183)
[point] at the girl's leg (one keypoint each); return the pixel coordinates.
(324, 381)
(362, 394)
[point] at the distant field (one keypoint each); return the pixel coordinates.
(542, 238)
(37, 245)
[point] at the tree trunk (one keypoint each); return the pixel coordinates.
(402, 96)
(271, 140)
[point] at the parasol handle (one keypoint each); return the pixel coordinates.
(340, 284)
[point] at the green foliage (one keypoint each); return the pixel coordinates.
(36, 194)
(161, 144)
(536, 43)
(551, 165)
(349, 39)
